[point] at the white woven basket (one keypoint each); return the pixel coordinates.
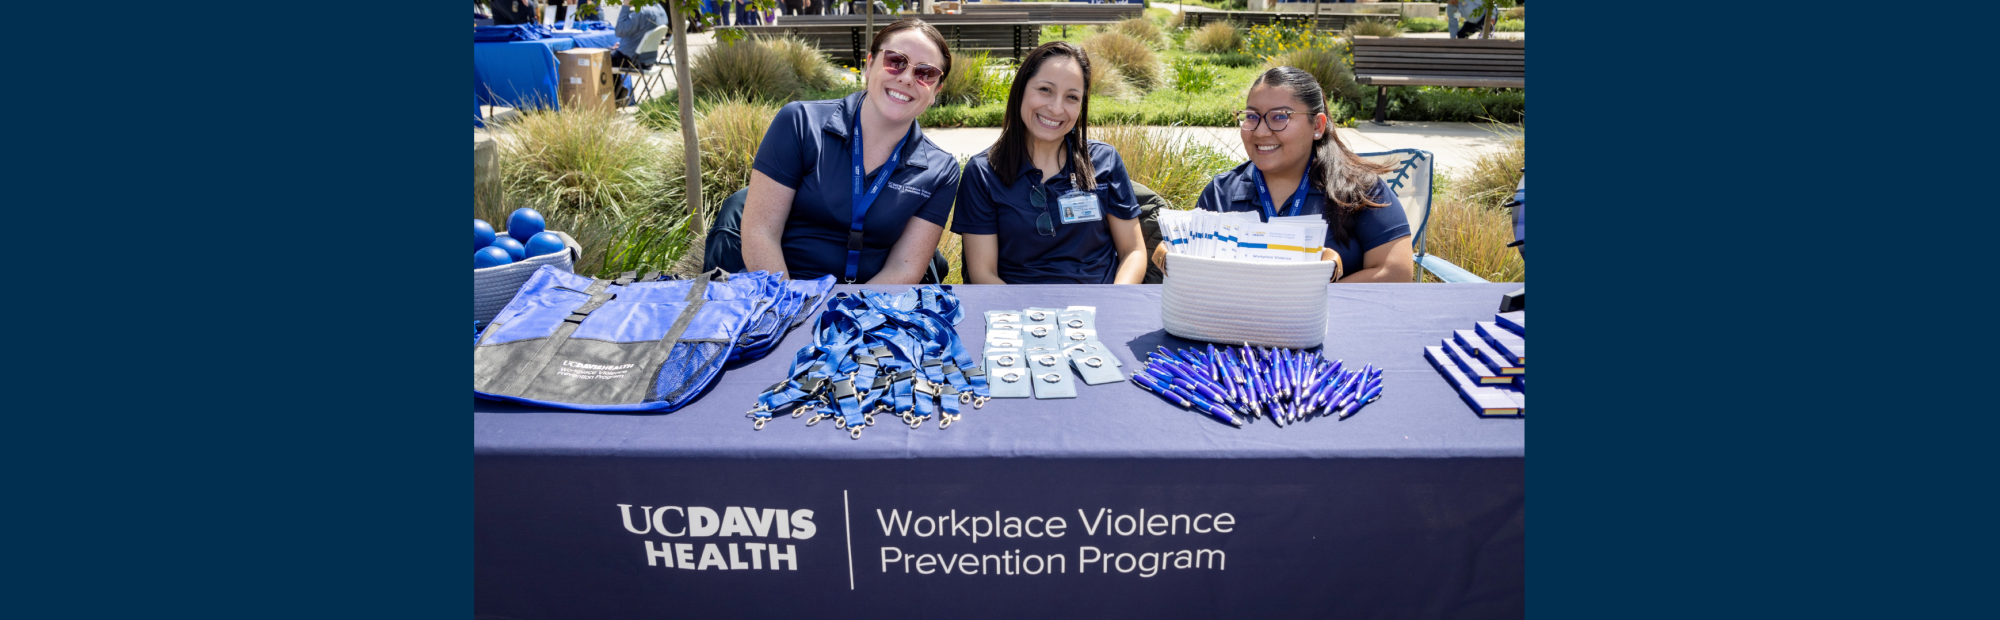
(1234, 302)
(493, 287)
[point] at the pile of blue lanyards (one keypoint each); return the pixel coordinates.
(876, 352)
(1287, 386)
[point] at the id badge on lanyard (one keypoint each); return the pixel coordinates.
(1080, 206)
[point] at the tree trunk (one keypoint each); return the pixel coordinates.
(690, 143)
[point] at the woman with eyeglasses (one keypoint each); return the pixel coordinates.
(1299, 167)
(850, 186)
(1044, 204)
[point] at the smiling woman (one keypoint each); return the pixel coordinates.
(850, 187)
(1045, 204)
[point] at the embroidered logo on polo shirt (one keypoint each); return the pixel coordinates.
(905, 188)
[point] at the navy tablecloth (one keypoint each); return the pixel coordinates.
(522, 74)
(1413, 508)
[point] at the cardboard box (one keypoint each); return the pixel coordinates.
(583, 78)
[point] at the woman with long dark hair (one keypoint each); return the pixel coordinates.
(850, 186)
(1045, 204)
(1298, 166)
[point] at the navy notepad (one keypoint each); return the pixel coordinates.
(1472, 343)
(1510, 345)
(1485, 401)
(1516, 321)
(1473, 367)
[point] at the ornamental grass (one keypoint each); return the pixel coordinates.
(1136, 62)
(610, 184)
(970, 82)
(1144, 31)
(1216, 38)
(1170, 163)
(745, 69)
(808, 64)
(1329, 67)
(1372, 28)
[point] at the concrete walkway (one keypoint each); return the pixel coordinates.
(1455, 144)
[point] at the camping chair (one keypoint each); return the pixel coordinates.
(1409, 176)
(654, 73)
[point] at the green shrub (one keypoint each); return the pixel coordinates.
(1510, 25)
(1372, 28)
(1449, 104)
(1233, 60)
(1194, 76)
(1270, 40)
(1327, 67)
(1133, 59)
(1216, 38)
(1144, 31)
(1423, 24)
(814, 71)
(745, 69)
(1167, 162)
(989, 114)
(969, 82)
(612, 185)
(1518, 13)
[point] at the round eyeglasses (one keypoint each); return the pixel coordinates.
(1275, 120)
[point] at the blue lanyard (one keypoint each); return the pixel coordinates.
(1294, 206)
(864, 200)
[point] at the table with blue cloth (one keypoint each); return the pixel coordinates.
(1111, 504)
(522, 74)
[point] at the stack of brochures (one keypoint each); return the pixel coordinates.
(1241, 235)
(1488, 364)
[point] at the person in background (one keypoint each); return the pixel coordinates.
(511, 12)
(1044, 204)
(1297, 159)
(1471, 13)
(631, 29)
(851, 187)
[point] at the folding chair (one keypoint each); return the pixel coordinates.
(655, 73)
(1409, 176)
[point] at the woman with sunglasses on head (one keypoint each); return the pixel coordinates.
(850, 186)
(1045, 205)
(1299, 167)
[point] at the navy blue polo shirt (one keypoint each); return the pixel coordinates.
(807, 150)
(1236, 190)
(1079, 253)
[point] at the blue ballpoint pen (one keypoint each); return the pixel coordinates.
(1191, 374)
(1364, 399)
(1218, 411)
(1353, 382)
(1196, 388)
(1150, 384)
(1215, 361)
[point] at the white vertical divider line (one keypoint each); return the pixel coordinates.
(848, 521)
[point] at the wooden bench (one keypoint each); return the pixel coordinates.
(1326, 21)
(1061, 13)
(1397, 61)
(843, 38)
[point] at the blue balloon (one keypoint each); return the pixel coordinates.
(514, 248)
(525, 223)
(545, 243)
(482, 233)
(490, 256)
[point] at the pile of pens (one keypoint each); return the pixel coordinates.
(1235, 384)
